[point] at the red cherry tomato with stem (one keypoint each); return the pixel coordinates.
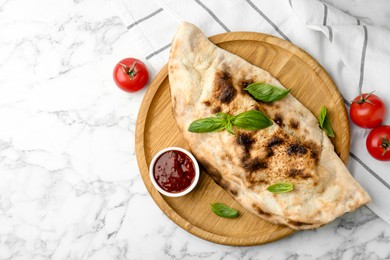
(378, 143)
(130, 74)
(367, 110)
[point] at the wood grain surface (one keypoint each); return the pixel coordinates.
(156, 129)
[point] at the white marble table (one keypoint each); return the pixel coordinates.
(69, 183)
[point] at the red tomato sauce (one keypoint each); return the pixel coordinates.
(174, 171)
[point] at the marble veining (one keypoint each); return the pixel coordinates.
(69, 182)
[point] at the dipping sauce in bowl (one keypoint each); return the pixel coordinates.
(174, 171)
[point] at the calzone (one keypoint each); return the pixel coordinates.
(205, 80)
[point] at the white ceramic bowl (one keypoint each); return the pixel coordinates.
(176, 194)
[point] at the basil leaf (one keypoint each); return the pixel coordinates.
(325, 122)
(208, 124)
(251, 120)
(281, 187)
(224, 211)
(266, 92)
(322, 116)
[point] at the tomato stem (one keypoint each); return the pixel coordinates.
(385, 144)
(129, 71)
(363, 100)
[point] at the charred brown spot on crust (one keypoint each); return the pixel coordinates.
(224, 89)
(275, 141)
(260, 210)
(256, 107)
(298, 173)
(246, 157)
(296, 149)
(270, 152)
(314, 149)
(294, 124)
(233, 192)
(314, 155)
(263, 107)
(278, 119)
(243, 84)
(298, 223)
(254, 164)
(245, 140)
(254, 180)
(293, 173)
(207, 103)
(269, 104)
(216, 109)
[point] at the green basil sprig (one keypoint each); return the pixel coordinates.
(266, 92)
(325, 122)
(249, 120)
(281, 187)
(224, 211)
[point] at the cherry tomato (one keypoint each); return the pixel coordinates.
(367, 110)
(378, 143)
(130, 74)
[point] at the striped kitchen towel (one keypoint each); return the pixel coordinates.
(355, 54)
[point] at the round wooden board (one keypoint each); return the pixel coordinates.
(156, 129)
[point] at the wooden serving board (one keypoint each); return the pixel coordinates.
(156, 129)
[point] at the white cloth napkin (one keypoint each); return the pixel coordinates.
(354, 54)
